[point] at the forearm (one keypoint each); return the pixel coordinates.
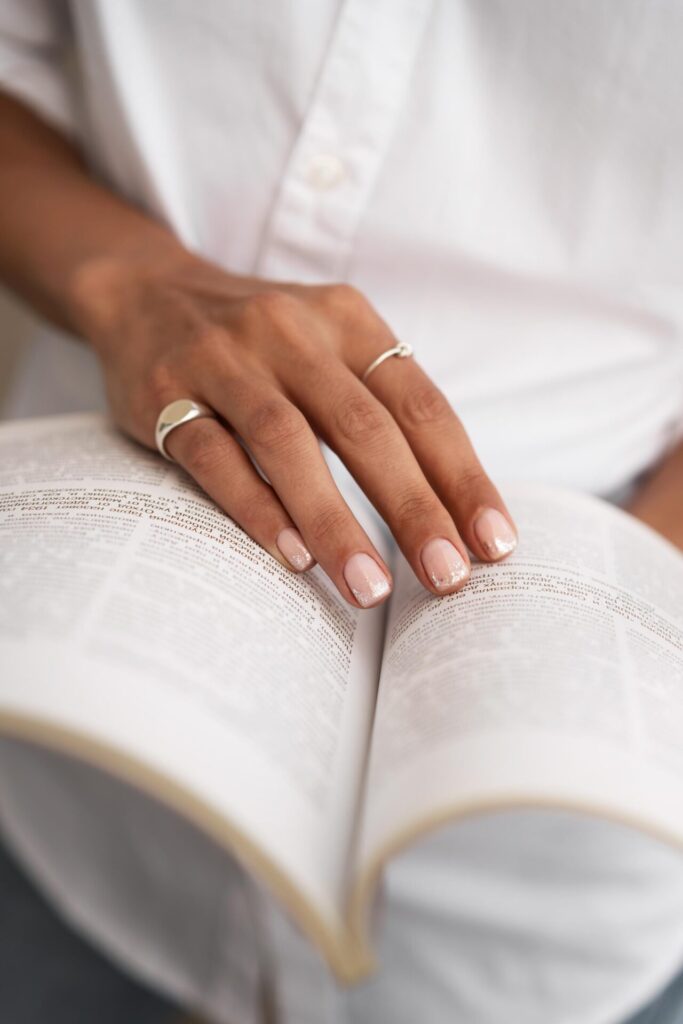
(57, 222)
(659, 502)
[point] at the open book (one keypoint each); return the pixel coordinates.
(142, 631)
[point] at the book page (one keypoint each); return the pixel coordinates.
(554, 678)
(141, 628)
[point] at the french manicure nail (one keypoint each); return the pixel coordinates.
(494, 533)
(443, 563)
(291, 545)
(367, 582)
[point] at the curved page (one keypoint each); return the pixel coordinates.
(554, 678)
(141, 629)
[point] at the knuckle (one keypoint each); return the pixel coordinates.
(347, 300)
(274, 308)
(328, 522)
(203, 453)
(424, 404)
(469, 479)
(159, 384)
(303, 346)
(358, 419)
(415, 508)
(256, 506)
(275, 425)
(208, 339)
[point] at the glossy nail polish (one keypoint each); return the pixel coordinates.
(291, 545)
(444, 564)
(367, 581)
(494, 533)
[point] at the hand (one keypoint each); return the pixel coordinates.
(281, 366)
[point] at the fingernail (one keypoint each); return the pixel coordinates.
(291, 545)
(443, 563)
(366, 580)
(494, 533)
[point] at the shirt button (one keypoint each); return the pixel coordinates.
(325, 170)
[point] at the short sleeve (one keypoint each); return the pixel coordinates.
(35, 42)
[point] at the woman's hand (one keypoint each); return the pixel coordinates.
(279, 364)
(281, 367)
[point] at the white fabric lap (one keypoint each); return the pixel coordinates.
(519, 916)
(526, 915)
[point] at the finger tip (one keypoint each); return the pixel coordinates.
(367, 579)
(495, 537)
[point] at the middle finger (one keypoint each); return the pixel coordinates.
(367, 439)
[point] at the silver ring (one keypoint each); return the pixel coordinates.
(403, 350)
(184, 410)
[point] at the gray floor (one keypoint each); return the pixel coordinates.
(48, 975)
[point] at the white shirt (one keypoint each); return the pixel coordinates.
(504, 181)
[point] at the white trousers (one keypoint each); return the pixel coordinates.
(525, 917)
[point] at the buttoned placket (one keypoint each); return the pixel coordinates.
(343, 140)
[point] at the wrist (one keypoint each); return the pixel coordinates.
(106, 289)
